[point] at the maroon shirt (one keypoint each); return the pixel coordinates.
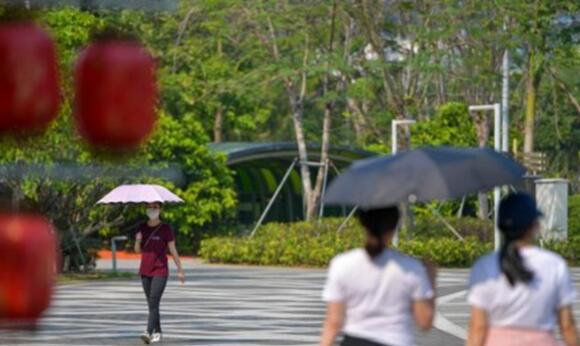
(154, 251)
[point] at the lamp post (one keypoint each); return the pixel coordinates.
(394, 137)
(505, 92)
(500, 139)
(114, 241)
(394, 150)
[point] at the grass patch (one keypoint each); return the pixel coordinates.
(94, 276)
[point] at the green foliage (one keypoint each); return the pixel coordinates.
(207, 188)
(315, 244)
(298, 244)
(72, 29)
(574, 216)
(69, 200)
(429, 227)
(558, 129)
(447, 252)
(450, 126)
(216, 61)
(94, 276)
(569, 249)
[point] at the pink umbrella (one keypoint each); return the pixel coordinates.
(140, 193)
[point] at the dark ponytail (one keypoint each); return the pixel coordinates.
(377, 223)
(517, 214)
(512, 264)
(374, 245)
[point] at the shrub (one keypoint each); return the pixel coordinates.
(574, 215)
(314, 244)
(297, 244)
(432, 227)
(569, 249)
(447, 252)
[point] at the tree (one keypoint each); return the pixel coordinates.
(57, 175)
(312, 71)
(533, 23)
(450, 126)
(212, 54)
(300, 43)
(206, 186)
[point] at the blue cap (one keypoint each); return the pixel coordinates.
(517, 212)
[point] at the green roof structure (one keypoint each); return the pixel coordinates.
(259, 169)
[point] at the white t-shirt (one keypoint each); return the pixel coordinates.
(378, 294)
(532, 305)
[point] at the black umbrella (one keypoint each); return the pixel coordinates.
(422, 175)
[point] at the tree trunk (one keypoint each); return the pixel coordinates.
(534, 74)
(327, 122)
(441, 90)
(392, 92)
(303, 157)
(530, 117)
(315, 198)
(218, 125)
(358, 120)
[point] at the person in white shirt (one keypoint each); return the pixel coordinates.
(519, 294)
(374, 294)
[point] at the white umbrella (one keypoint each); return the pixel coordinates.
(140, 193)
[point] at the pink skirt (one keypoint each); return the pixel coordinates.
(519, 337)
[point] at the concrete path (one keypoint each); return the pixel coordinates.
(219, 305)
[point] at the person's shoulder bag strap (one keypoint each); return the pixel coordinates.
(152, 235)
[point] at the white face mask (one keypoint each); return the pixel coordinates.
(153, 213)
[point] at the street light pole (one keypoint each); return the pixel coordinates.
(114, 241)
(505, 92)
(497, 139)
(394, 150)
(394, 137)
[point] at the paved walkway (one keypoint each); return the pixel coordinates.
(219, 305)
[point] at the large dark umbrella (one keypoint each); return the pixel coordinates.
(422, 175)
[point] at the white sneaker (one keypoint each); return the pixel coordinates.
(155, 338)
(145, 337)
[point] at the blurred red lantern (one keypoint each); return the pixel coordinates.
(116, 94)
(28, 257)
(29, 86)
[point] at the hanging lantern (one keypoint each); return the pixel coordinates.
(116, 94)
(28, 257)
(29, 86)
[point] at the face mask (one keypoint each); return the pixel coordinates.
(153, 213)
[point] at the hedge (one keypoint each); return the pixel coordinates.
(574, 215)
(296, 244)
(314, 244)
(569, 249)
(431, 227)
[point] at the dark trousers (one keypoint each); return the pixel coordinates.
(354, 341)
(154, 287)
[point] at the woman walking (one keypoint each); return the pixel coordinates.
(153, 240)
(519, 294)
(373, 294)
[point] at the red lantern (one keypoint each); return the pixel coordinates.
(28, 257)
(29, 87)
(116, 94)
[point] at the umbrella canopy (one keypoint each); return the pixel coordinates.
(140, 193)
(422, 175)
